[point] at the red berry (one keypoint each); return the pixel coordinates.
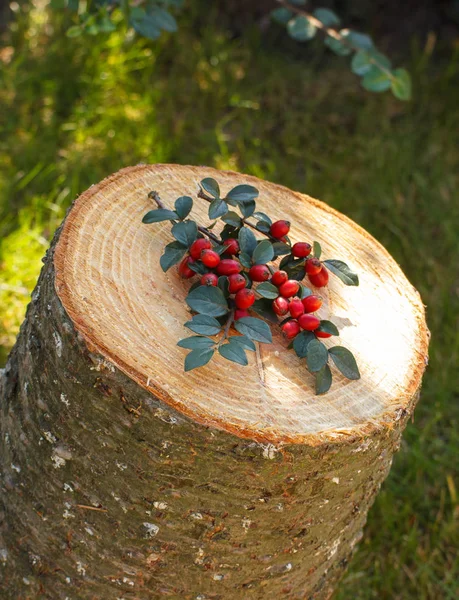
(291, 329)
(313, 266)
(321, 279)
(279, 229)
(244, 298)
(228, 266)
(280, 306)
(296, 308)
(279, 277)
(210, 258)
(309, 322)
(259, 273)
(236, 283)
(239, 313)
(198, 246)
(209, 279)
(232, 246)
(322, 334)
(301, 249)
(184, 269)
(289, 288)
(311, 303)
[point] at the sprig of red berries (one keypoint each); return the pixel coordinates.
(237, 275)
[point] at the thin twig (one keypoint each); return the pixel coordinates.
(331, 32)
(155, 196)
(92, 508)
(229, 322)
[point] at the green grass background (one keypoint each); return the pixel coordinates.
(74, 111)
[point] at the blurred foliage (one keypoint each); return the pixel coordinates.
(74, 110)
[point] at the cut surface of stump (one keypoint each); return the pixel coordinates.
(110, 283)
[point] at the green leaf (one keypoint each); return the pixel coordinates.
(264, 308)
(247, 241)
(247, 208)
(281, 15)
(173, 253)
(223, 284)
(242, 193)
(323, 380)
(198, 358)
(255, 329)
(245, 260)
(185, 232)
(341, 269)
(263, 226)
(263, 253)
(147, 27)
(304, 292)
(345, 362)
(183, 206)
(74, 31)
(160, 214)
(337, 46)
(401, 84)
(234, 352)
(328, 327)
(198, 267)
(196, 341)
(301, 29)
(208, 300)
(204, 325)
(262, 217)
(327, 17)
(210, 186)
(163, 19)
(268, 290)
(244, 341)
(361, 41)
(316, 249)
(301, 342)
(280, 248)
(217, 208)
(295, 269)
(377, 80)
(317, 355)
(232, 218)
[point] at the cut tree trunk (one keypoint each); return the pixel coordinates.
(124, 477)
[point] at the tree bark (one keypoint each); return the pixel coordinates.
(115, 487)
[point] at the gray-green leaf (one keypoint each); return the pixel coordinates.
(210, 186)
(317, 355)
(244, 341)
(377, 80)
(317, 249)
(401, 84)
(247, 241)
(263, 253)
(323, 380)
(204, 325)
(268, 290)
(208, 300)
(328, 327)
(217, 208)
(232, 218)
(173, 253)
(198, 358)
(242, 193)
(301, 342)
(185, 232)
(255, 329)
(234, 352)
(183, 206)
(343, 271)
(345, 362)
(301, 29)
(158, 215)
(195, 341)
(327, 17)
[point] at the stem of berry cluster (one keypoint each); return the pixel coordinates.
(202, 195)
(155, 196)
(229, 322)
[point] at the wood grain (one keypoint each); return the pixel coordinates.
(109, 281)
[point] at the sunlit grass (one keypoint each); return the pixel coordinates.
(74, 111)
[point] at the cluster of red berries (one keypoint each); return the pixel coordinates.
(287, 303)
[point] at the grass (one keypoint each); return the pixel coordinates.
(73, 111)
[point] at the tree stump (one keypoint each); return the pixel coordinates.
(124, 477)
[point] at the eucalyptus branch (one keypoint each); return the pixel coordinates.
(333, 33)
(155, 196)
